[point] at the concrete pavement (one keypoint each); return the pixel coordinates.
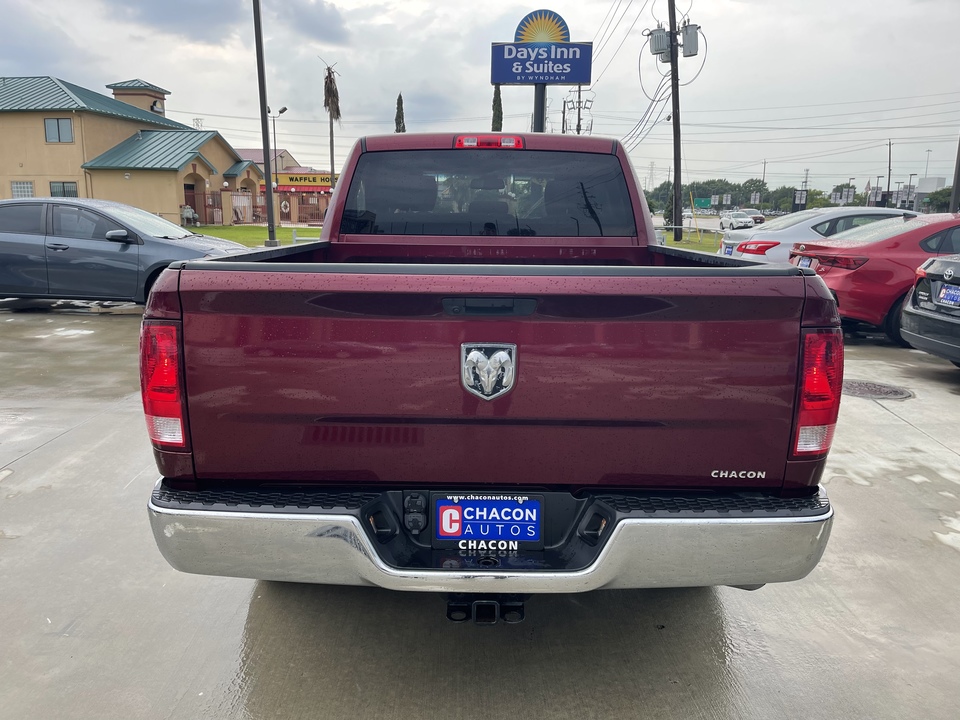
(96, 625)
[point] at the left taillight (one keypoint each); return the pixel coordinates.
(161, 384)
(756, 247)
(821, 384)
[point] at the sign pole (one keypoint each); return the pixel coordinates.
(540, 107)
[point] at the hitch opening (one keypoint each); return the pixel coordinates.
(485, 609)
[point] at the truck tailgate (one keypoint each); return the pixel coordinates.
(647, 377)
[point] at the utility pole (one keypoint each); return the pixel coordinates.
(763, 182)
(889, 165)
(675, 98)
(579, 106)
(806, 177)
(955, 195)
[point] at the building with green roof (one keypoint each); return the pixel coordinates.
(60, 139)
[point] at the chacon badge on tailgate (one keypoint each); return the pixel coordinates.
(488, 370)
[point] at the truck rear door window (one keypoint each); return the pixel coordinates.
(489, 192)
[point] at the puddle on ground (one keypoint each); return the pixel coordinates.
(950, 538)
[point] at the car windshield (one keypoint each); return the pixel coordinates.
(879, 230)
(739, 215)
(146, 223)
(489, 192)
(750, 211)
(790, 220)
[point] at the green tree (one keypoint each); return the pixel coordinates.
(401, 125)
(817, 199)
(781, 198)
(497, 124)
(939, 201)
(754, 185)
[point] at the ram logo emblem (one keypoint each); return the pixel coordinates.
(488, 370)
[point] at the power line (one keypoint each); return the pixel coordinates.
(615, 52)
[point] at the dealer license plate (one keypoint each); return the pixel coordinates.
(487, 522)
(805, 262)
(949, 295)
(728, 249)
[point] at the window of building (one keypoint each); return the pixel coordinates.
(63, 189)
(21, 189)
(58, 130)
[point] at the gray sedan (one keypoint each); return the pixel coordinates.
(79, 249)
(772, 241)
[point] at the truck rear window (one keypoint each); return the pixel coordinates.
(488, 192)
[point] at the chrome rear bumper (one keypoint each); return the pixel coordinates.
(640, 553)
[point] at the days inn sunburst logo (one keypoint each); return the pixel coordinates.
(542, 26)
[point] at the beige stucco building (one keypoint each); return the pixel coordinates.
(59, 139)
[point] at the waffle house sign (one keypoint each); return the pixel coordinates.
(304, 182)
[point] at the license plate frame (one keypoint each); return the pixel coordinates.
(454, 522)
(805, 262)
(949, 295)
(728, 249)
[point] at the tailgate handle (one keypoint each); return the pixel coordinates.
(489, 306)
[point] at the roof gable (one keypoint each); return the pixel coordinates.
(137, 84)
(156, 150)
(25, 94)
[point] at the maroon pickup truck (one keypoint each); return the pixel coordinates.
(487, 379)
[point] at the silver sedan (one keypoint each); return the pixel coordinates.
(772, 241)
(736, 220)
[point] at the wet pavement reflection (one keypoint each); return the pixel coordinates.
(358, 652)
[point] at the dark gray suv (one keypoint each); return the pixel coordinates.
(78, 249)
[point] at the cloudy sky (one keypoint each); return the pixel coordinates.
(816, 85)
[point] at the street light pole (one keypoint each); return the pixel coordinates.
(276, 169)
(910, 186)
(264, 124)
(927, 166)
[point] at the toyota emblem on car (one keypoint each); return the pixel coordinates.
(488, 370)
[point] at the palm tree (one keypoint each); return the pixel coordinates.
(331, 103)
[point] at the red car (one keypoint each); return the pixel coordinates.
(871, 269)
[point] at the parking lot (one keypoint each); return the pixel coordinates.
(95, 624)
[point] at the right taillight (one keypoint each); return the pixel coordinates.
(160, 384)
(844, 262)
(821, 383)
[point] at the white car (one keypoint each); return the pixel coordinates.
(772, 241)
(736, 220)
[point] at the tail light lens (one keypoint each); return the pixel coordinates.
(821, 383)
(756, 247)
(922, 270)
(842, 262)
(509, 142)
(161, 385)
